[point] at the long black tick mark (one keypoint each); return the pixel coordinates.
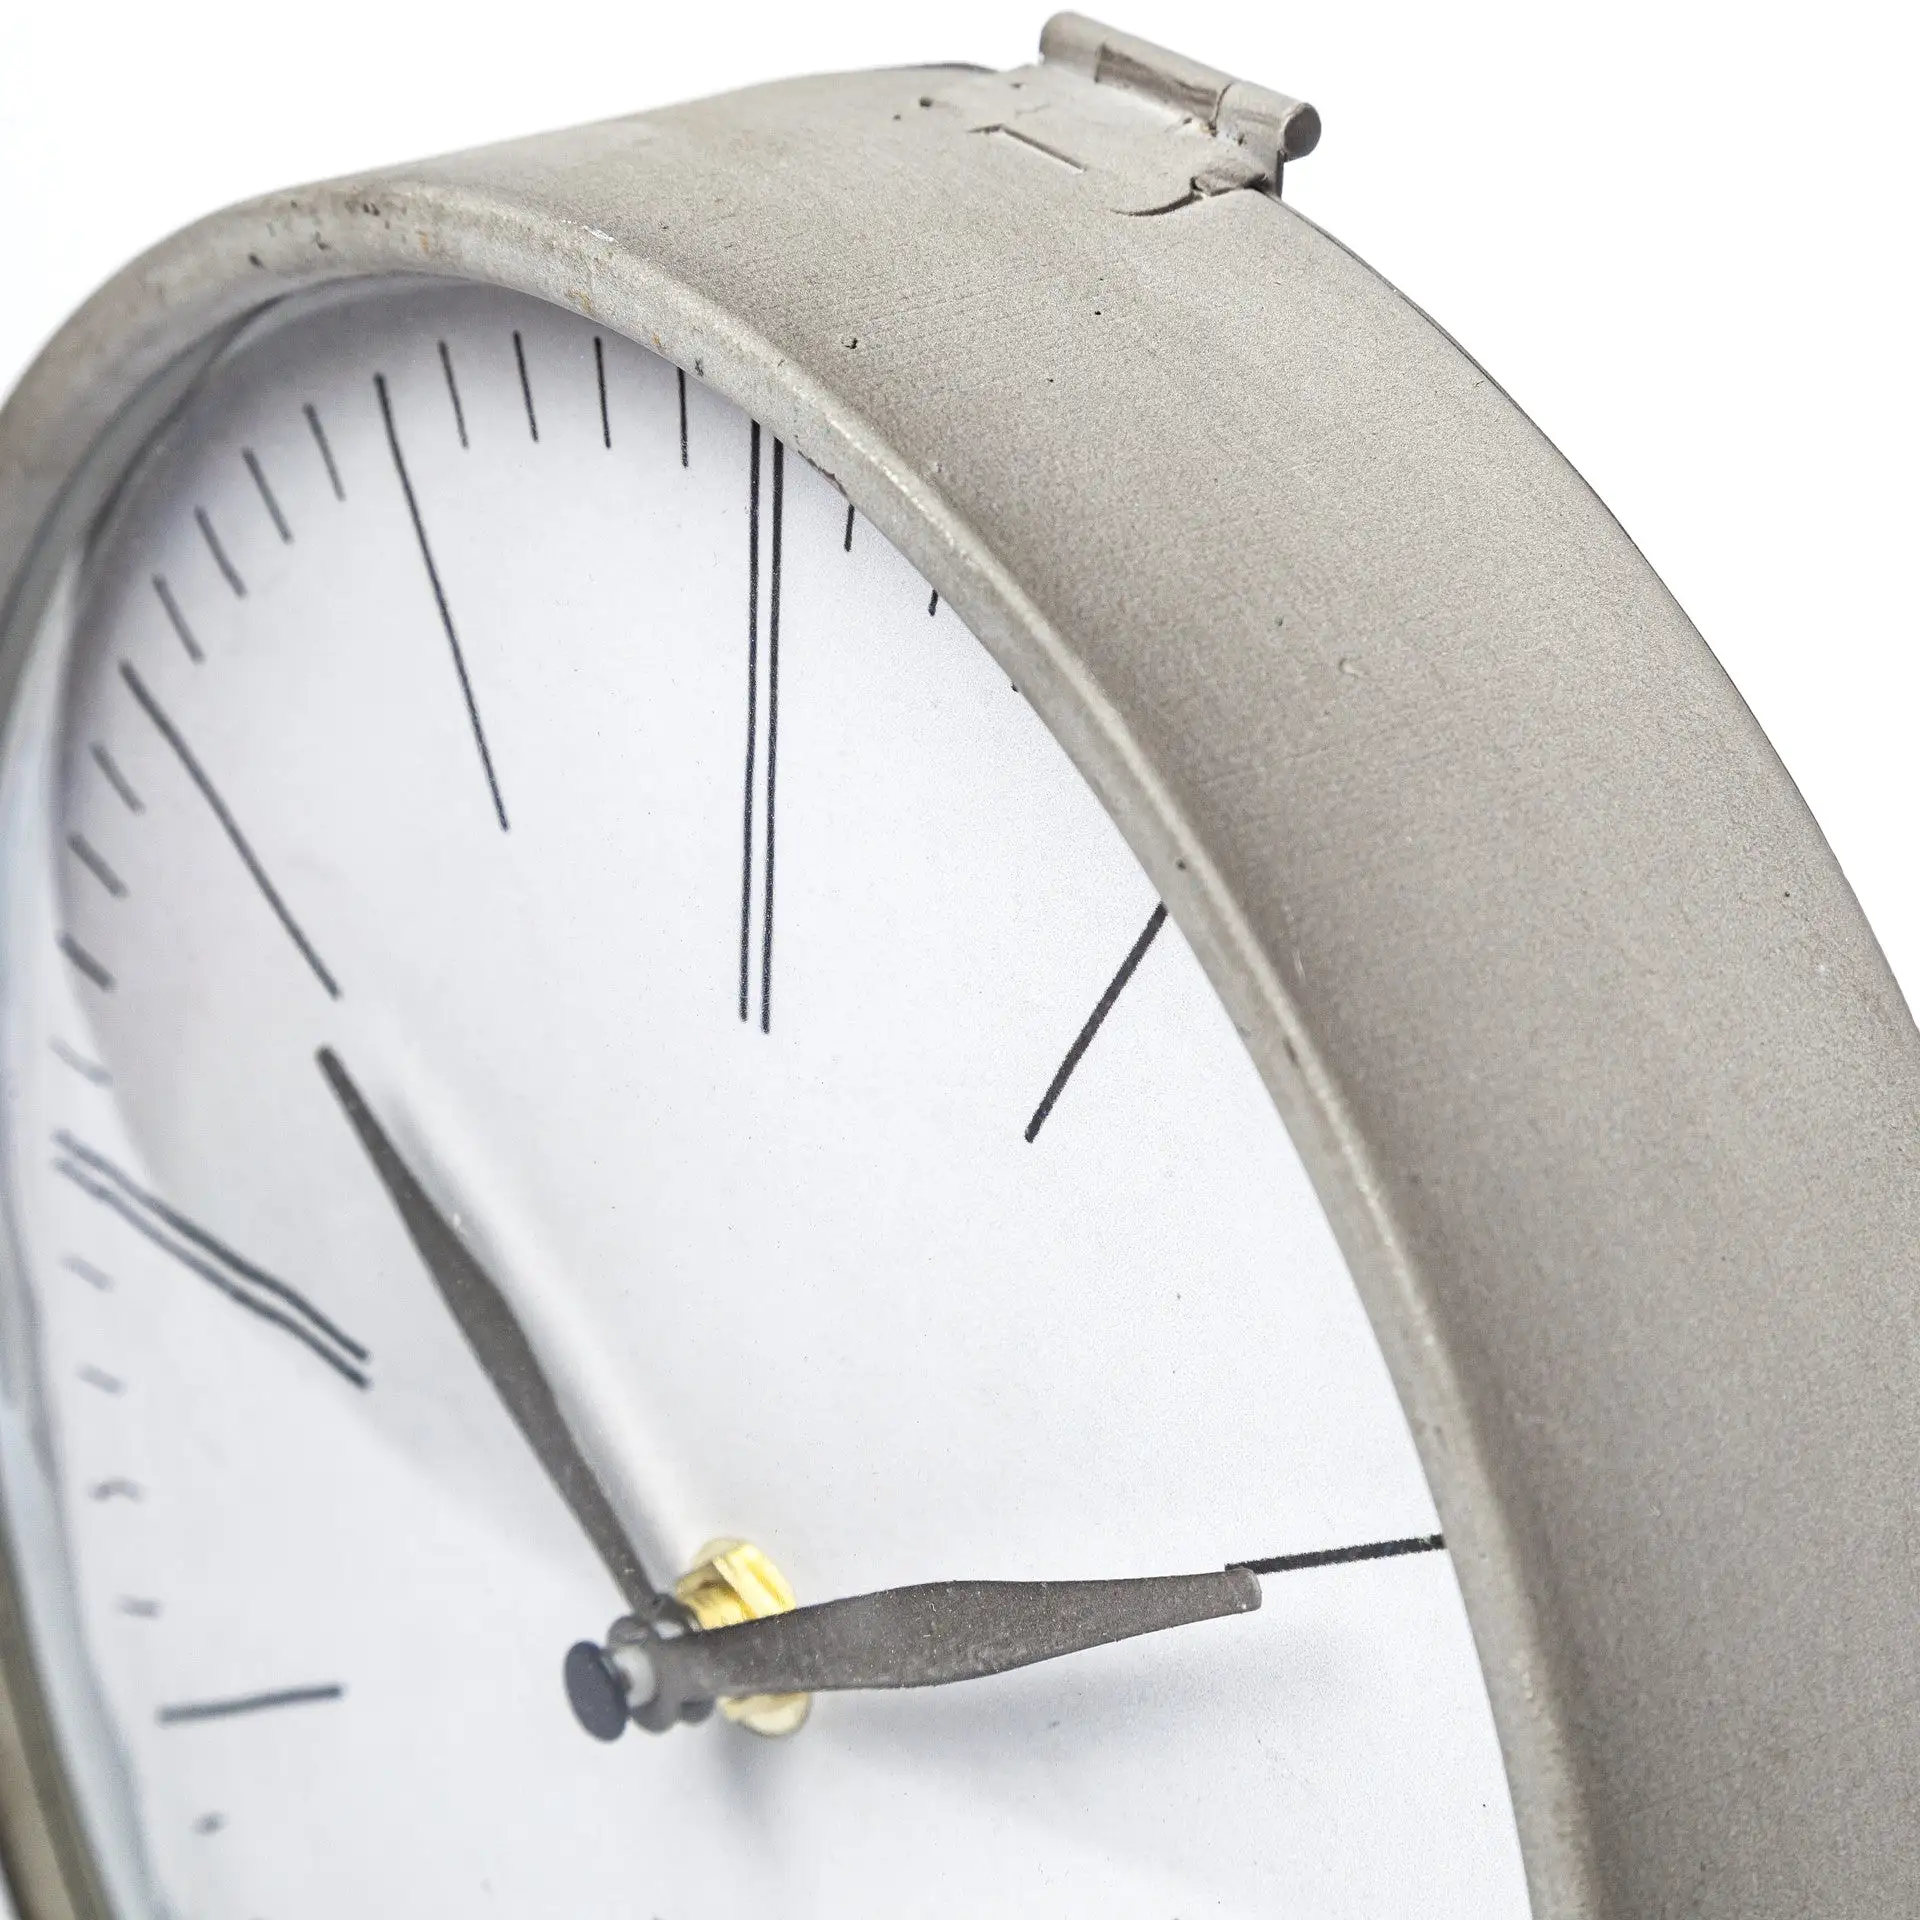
(238, 1280)
(246, 1703)
(326, 452)
(86, 963)
(440, 599)
(279, 519)
(600, 375)
(198, 775)
(171, 607)
(1138, 952)
(773, 734)
(758, 797)
(753, 709)
(846, 546)
(933, 604)
(680, 373)
(526, 386)
(1344, 1556)
(116, 779)
(219, 553)
(453, 393)
(95, 863)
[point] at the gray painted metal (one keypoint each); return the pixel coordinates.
(937, 1634)
(1608, 1090)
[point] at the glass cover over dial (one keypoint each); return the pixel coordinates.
(751, 981)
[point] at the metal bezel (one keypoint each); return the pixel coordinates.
(1596, 1066)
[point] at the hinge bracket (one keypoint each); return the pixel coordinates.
(1270, 128)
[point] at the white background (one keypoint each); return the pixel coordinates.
(1681, 232)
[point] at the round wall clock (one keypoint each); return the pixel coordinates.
(887, 1030)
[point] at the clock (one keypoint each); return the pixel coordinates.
(889, 1030)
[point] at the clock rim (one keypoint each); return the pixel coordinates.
(495, 218)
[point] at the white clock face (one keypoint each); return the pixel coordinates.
(741, 962)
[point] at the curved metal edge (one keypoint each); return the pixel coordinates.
(162, 314)
(44, 1856)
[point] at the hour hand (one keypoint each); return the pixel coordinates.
(920, 1636)
(481, 1311)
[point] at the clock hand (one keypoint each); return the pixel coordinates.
(481, 1311)
(920, 1636)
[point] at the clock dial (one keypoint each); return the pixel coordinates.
(748, 978)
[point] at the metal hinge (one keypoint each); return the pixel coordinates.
(1267, 128)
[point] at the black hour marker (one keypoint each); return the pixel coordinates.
(933, 603)
(95, 863)
(88, 1272)
(117, 1489)
(99, 1377)
(681, 376)
(171, 607)
(526, 385)
(234, 1276)
(219, 553)
(210, 1823)
(137, 1608)
(198, 775)
(453, 394)
(600, 375)
(1344, 1556)
(326, 452)
(116, 779)
(773, 737)
(279, 519)
(1138, 952)
(753, 708)
(86, 963)
(759, 792)
(439, 593)
(247, 1703)
(846, 546)
(90, 1071)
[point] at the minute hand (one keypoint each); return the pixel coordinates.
(481, 1311)
(926, 1636)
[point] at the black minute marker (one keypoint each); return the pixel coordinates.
(95, 863)
(229, 571)
(773, 733)
(247, 1703)
(439, 592)
(178, 620)
(326, 452)
(1155, 921)
(453, 394)
(279, 519)
(753, 709)
(526, 385)
(116, 779)
(86, 963)
(91, 1071)
(239, 1268)
(198, 775)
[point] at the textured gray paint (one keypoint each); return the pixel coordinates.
(1607, 1087)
